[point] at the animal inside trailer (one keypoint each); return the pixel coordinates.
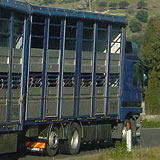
(65, 78)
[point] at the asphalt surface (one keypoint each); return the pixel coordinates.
(150, 138)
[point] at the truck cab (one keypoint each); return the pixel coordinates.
(132, 83)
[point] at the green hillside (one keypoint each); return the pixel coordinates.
(104, 6)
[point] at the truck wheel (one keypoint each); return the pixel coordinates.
(52, 145)
(72, 145)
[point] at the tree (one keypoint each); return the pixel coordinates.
(142, 16)
(135, 25)
(138, 39)
(83, 4)
(123, 4)
(130, 9)
(152, 93)
(102, 4)
(150, 56)
(113, 5)
(141, 4)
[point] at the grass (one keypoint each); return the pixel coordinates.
(151, 124)
(136, 154)
(120, 150)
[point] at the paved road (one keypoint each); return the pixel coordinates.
(150, 138)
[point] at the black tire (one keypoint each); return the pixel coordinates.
(52, 145)
(21, 149)
(136, 141)
(72, 144)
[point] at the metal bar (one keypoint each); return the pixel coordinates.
(38, 23)
(10, 68)
(79, 37)
(71, 26)
(71, 39)
(55, 25)
(4, 19)
(61, 60)
(89, 40)
(108, 54)
(4, 34)
(102, 29)
(95, 39)
(29, 56)
(88, 28)
(37, 36)
(44, 72)
(24, 76)
(52, 37)
(121, 80)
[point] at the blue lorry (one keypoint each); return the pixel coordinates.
(66, 77)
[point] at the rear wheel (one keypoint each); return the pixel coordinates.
(52, 145)
(72, 145)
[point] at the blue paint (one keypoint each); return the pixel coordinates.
(44, 72)
(79, 36)
(107, 69)
(61, 59)
(10, 68)
(124, 111)
(95, 39)
(122, 51)
(131, 94)
(25, 66)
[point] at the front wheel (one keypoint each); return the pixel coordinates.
(72, 144)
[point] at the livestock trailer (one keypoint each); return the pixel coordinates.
(66, 77)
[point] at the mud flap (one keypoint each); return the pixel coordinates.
(10, 140)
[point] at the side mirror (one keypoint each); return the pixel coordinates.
(145, 79)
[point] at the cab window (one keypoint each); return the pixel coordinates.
(137, 74)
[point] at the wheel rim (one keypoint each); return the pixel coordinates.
(75, 139)
(53, 140)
